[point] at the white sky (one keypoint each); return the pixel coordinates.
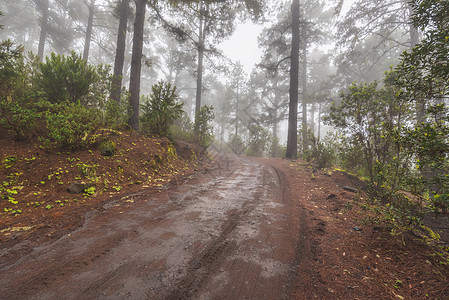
(242, 45)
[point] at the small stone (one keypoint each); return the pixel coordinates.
(356, 228)
(350, 189)
(76, 188)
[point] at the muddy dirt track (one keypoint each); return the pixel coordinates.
(231, 233)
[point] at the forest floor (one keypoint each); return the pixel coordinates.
(162, 226)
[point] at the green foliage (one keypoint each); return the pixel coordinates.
(203, 126)
(428, 143)
(321, 152)
(276, 149)
(19, 120)
(236, 144)
(399, 213)
(70, 125)
(9, 161)
(115, 114)
(11, 62)
(89, 191)
(16, 112)
(71, 78)
(368, 119)
(182, 129)
(107, 148)
(160, 109)
(88, 171)
(423, 76)
(258, 140)
(401, 129)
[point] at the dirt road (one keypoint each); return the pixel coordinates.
(232, 233)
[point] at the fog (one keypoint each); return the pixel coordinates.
(246, 67)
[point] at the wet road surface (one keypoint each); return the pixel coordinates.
(227, 234)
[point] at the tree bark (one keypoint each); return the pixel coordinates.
(44, 27)
(305, 142)
(120, 52)
(136, 64)
(90, 23)
(292, 136)
(199, 78)
(274, 144)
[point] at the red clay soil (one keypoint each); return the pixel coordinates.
(235, 228)
(367, 262)
(41, 210)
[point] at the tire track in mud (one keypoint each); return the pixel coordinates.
(52, 271)
(229, 223)
(177, 197)
(208, 261)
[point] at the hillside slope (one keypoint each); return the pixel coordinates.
(36, 204)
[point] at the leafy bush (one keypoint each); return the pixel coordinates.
(203, 125)
(11, 63)
(428, 143)
(115, 114)
(16, 113)
(71, 78)
(236, 144)
(182, 129)
(322, 152)
(19, 120)
(276, 149)
(258, 140)
(399, 213)
(70, 125)
(160, 109)
(367, 119)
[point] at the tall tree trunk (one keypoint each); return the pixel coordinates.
(274, 143)
(237, 113)
(292, 136)
(319, 120)
(221, 135)
(136, 64)
(116, 86)
(90, 23)
(43, 34)
(305, 142)
(312, 124)
(199, 78)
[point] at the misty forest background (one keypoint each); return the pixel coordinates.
(364, 89)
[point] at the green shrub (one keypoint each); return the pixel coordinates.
(115, 114)
(258, 140)
(107, 148)
(16, 113)
(236, 144)
(19, 120)
(182, 129)
(160, 109)
(324, 154)
(276, 149)
(11, 63)
(428, 143)
(71, 78)
(71, 125)
(203, 126)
